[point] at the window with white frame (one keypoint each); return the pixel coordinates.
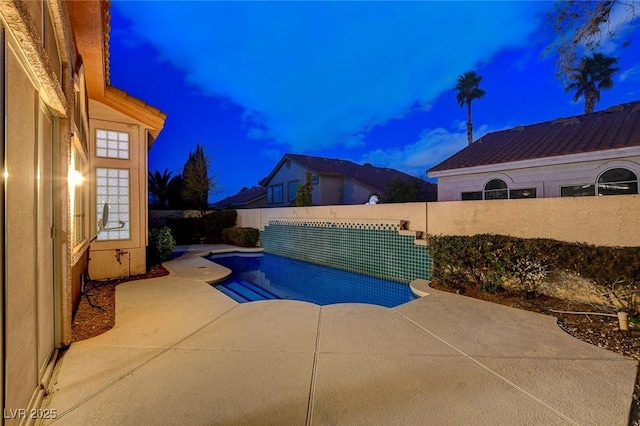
(496, 189)
(112, 144)
(586, 190)
(274, 194)
(292, 190)
(618, 181)
(471, 196)
(522, 193)
(112, 187)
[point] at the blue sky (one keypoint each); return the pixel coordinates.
(362, 81)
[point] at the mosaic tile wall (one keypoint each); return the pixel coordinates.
(374, 249)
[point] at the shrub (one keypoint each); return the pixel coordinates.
(185, 230)
(486, 261)
(215, 222)
(161, 244)
(205, 229)
(242, 237)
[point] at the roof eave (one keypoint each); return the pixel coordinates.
(608, 154)
(90, 23)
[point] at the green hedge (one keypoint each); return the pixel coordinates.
(242, 237)
(206, 229)
(486, 260)
(161, 244)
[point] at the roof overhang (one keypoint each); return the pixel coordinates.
(610, 154)
(90, 25)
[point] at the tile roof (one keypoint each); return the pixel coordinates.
(242, 198)
(615, 127)
(376, 178)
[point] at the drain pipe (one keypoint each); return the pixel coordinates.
(623, 317)
(623, 321)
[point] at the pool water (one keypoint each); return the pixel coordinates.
(267, 276)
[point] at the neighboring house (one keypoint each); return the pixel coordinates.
(251, 198)
(334, 181)
(70, 143)
(585, 155)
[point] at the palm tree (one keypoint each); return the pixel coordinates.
(468, 90)
(592, 75)
(159, 186)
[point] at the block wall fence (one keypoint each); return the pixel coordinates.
(604, 221)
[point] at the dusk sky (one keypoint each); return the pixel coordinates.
(361, 81)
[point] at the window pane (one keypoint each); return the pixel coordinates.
(620, 188)
(293, 190)
(277, 193)
(577, 191)
(470, 196)
(500, 194)
(112, 144)
(523, 193)
(617, 175)
(495, 184)
(270, 195)
(113, 190)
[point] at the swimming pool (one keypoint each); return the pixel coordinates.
(267, 276)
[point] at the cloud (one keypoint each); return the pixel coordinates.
(433, 147)
(632, 74)
(311, 75)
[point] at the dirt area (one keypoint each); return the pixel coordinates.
(97, 309)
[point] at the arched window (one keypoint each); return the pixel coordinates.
(496, 189)
(617, 182)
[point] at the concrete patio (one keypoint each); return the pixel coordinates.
(183, 353)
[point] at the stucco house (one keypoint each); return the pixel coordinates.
(334, 181)
(585, 155)
(71, 142)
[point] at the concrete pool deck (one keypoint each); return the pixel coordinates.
(183, 353)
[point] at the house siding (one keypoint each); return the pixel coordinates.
(546, 179)
(330, 191)
(283, 176)
(132, 260)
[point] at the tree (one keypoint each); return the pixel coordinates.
(303, 195)
(175, 194)
(592, 75)
(468, 88)
(159, 187)
(581, 26)
(197, 181)
(409, 190)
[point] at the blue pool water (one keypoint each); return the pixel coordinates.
(267, 276)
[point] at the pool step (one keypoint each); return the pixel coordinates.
(243, 291)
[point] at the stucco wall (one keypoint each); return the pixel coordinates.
(414, 213)
(607, 221)
(546, 179)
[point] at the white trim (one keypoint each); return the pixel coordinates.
(610, 154)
